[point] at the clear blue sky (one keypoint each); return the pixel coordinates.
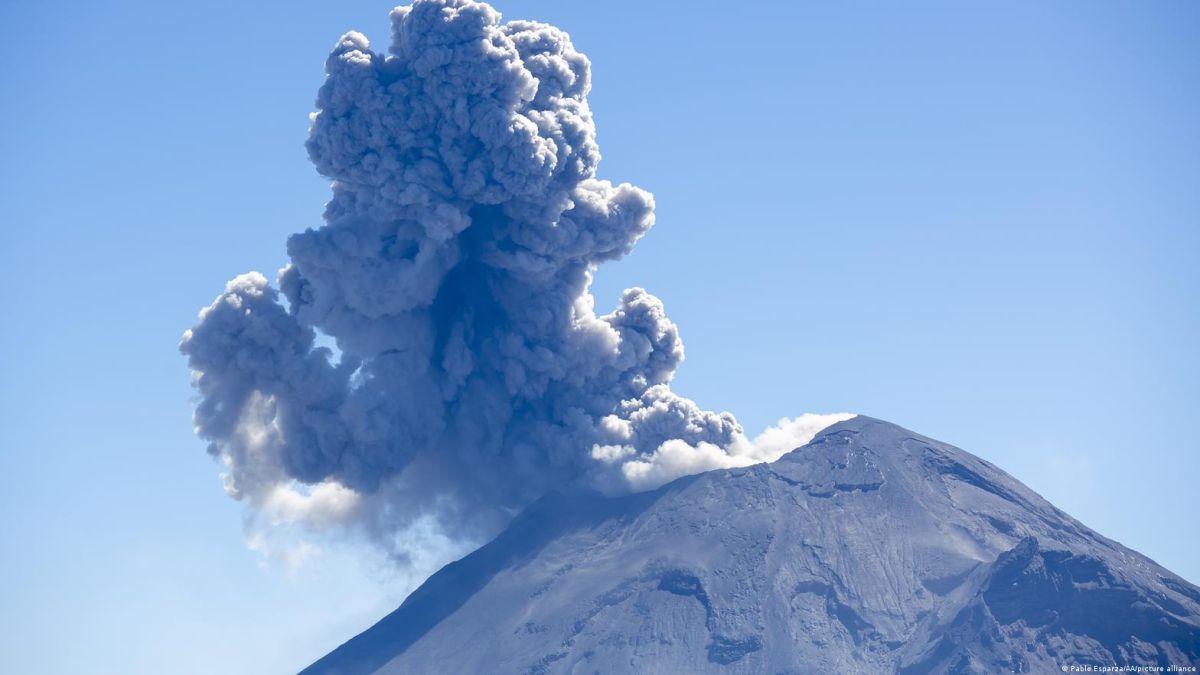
(982, 223)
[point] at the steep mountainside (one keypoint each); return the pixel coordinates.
(870, 549)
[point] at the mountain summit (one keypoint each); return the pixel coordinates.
(870, 549)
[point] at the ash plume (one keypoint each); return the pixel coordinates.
(472, 373)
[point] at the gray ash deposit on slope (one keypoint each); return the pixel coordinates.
(871, 549)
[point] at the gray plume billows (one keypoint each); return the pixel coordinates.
(472, 373)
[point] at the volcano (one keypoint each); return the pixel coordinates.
(870, 549)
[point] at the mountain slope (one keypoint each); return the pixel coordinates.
(871, 548)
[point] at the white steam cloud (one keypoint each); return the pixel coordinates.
(676, 457)
(452, 270)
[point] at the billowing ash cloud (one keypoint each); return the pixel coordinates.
(472, 373)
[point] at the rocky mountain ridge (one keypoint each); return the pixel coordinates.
(870, 549)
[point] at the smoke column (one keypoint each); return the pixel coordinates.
(472, 373)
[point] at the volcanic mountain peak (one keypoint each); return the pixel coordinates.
(870, 548)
